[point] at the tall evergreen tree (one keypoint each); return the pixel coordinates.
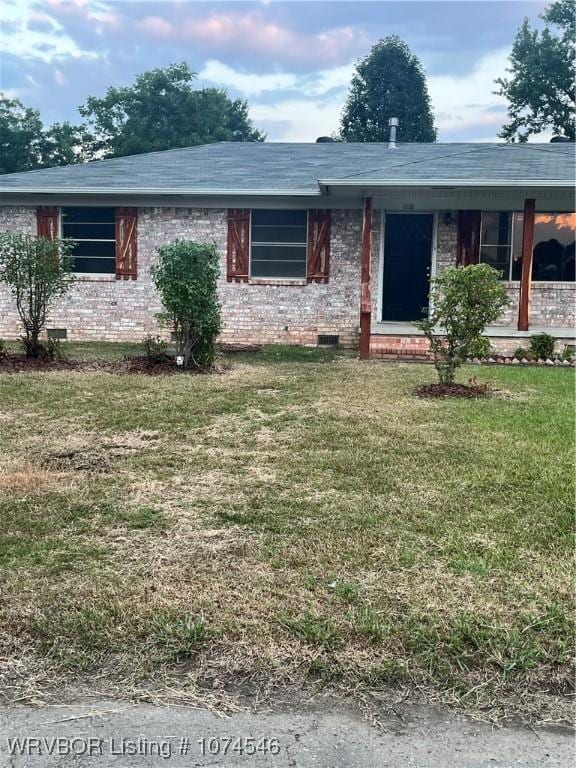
(389, 82)
(541, 88)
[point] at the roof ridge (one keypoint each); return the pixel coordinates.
(421, 160)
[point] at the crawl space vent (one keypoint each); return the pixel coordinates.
(326, 340)
(57, 334)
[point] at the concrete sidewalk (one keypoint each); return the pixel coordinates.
(102, 734)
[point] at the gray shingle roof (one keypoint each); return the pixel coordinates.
(284, 168)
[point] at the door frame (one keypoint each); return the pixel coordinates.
(433, 254)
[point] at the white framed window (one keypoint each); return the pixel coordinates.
(94, 233)
(278, 244)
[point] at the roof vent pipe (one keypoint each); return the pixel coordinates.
(393, 123)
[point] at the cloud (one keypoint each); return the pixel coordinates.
(60, 78)
(31, 34)
(298, 119)
(254, 84)
(156, 27)
(252, 33)
(468, 100)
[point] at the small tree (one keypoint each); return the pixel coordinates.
(37, 271)
(186, 278)
(463, 301)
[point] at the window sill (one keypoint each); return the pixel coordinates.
(543, 283)
(94, 277)
(276, 281)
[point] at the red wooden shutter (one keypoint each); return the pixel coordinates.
(47, 222)
(468, 238)
(238, 244)
(318, 268)
(126, 243)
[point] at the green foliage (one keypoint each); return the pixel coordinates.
(66, 144)
(542, 345)
(160, 110)
(155, 349)
(25, 144)
(389, 82)
(522, 353)
(463, 301)
(3, 350)
(20, 128)
(37, 270)
(186, 278)
(481, 347)
(541, 87)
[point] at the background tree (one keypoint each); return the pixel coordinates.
(463, 301)
(65, 144)
(20, 136)
(389, 82)
(541, 88)
(37, 270)
(186, 278)
(162, 111)
(25, 144)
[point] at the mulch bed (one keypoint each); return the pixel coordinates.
(467, 391)
(19, 363)
(14, 363)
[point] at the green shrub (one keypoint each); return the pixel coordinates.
(3, 350)
(155, 349)
(51, 350)
(186, 278)
(542, 345)
(37, 270)
(463, 301)
(522, 353)
(481, 347)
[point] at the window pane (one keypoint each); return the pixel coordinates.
(278, 261)
(95, 249)
(88, 215)
(279, 218)
(273, 234)
(90, 231)
(101, 266)
(497, 257)
(278, 269)
(554, 235)
(495, 228)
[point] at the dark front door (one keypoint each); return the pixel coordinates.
(407, 258)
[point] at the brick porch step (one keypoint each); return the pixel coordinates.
(399, 347)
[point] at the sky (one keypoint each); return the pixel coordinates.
(292, 61)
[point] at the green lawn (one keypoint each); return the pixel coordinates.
(300, 517)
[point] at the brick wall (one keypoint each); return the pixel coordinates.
(118, 310)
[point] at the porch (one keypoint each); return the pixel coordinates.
(395, 275)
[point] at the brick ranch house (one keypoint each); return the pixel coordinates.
(324, 242)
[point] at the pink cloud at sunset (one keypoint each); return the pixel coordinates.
(250, 32)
